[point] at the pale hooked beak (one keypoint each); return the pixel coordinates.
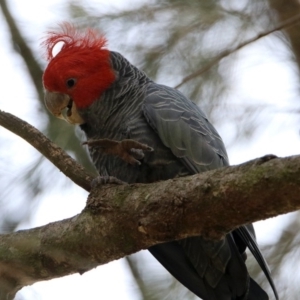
(63, 107)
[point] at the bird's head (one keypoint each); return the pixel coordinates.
(78, 74)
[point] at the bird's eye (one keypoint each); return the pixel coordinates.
(71, 82)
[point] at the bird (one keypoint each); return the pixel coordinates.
(139, 131)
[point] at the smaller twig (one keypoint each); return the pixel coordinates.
(55, 154)
(290, 22)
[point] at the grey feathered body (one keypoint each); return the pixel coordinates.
(184, 143)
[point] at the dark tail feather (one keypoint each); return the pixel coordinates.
(250, 241)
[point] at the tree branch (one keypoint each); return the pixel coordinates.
(120, 220)
(55, 154)
(283, 25)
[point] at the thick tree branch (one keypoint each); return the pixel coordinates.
(55, 154)
(284, 25)
(120, 220)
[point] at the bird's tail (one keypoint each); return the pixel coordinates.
(248, 238)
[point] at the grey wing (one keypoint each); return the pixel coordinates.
(184, 128)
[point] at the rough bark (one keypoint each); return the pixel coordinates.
(120, 220)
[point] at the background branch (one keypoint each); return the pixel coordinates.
(283, 25)
(284, 11)
(34, 69)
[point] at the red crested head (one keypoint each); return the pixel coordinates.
(82, 68)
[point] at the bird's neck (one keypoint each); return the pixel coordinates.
(129, 79)
(125, 94)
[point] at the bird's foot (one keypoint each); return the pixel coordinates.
(100, 180)
(129, 150)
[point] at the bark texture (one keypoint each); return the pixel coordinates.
(120, 220)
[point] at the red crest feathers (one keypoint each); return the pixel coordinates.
(73, 38)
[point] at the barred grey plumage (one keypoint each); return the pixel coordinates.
(184, 143)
